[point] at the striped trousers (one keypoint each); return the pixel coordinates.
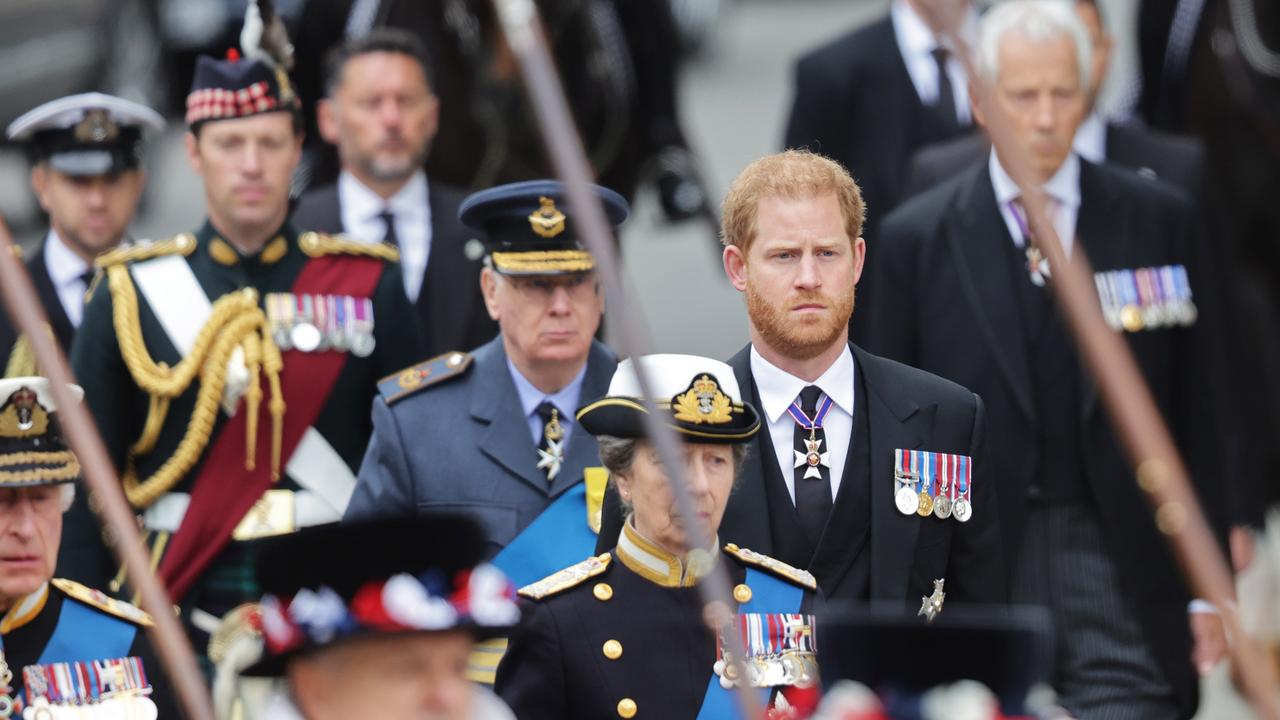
(1103, 668)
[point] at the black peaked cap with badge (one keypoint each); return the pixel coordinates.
(528, 228)
(32, 449)
(87, 134)
(398, 571)
(701, 394)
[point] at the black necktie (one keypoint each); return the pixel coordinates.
(389, 219)
(813, 493)
(550, 448)
(945, 110)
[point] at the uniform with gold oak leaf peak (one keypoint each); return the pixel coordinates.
(613, 637)
(254, 373)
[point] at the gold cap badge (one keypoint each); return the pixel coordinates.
(23, 416)
(703, 403)
(547, 221)
(96, 127)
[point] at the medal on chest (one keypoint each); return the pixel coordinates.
(814, 458)
(551, 457)
(932, 483)
(6, 688)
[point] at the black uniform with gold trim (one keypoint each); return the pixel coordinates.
(122, 407)
(36, 622)
(612, 637)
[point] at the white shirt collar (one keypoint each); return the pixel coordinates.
(65, 267)
(912, 33)
(916, 43)
(1064, 186)
(916, 38)
(779, 388)
(1091, 139)
(409, 203)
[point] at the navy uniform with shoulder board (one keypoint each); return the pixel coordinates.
(232, 387)
(464, 432)
(621, 634)
(55, 629)
(85, 136)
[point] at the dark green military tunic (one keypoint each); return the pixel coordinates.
(120, 406)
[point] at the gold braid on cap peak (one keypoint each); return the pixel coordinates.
(235, 322)
(545, 261)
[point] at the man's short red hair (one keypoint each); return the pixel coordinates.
(788, 174)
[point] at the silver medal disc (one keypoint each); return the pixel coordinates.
(338, 340)
(907, 501)
(362, 344)
(942, 507)
(306, 337)
(962, 510)
(283, 339)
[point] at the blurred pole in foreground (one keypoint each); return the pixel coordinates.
(24, 307)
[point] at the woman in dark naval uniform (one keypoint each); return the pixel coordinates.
(621, 634)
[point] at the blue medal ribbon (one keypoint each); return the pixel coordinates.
(803, 420)
(926, 477)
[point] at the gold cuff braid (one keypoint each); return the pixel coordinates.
(236, 321)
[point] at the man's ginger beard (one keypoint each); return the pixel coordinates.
(802, 339)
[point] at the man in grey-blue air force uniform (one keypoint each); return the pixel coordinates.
(493, 433)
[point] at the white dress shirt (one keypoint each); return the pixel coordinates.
(66, 270)
(1090, 141)
(1063, 190)
(778, 389)
(361, 219)
(566, 400)
(917, 42)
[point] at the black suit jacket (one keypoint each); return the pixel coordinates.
(62, 328)
(81, 554)
(450, 308)
(855, 103)
(1175, 159)
(954, 312)
(867, 540)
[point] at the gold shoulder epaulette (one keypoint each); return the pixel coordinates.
(139, 250)
(571, 576)
(415, 378)
(100, 600)
(316, 244)
(776, 567)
